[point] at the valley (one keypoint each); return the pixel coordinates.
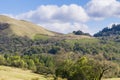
(28, 46)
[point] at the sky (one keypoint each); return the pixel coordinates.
(65, 16)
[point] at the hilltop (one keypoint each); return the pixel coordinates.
(113, 30)
(10, 26)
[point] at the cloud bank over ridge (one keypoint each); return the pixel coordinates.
(67, 18)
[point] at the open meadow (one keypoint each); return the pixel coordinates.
(8, 73)
(112, 79)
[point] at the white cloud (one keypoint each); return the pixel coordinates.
(50, 13)
(66, 27)
(99, 9)
(64, 19)
(67, 18)
(71, 13)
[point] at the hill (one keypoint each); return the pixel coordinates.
(49, 50)
(113, 30)
(10, 26)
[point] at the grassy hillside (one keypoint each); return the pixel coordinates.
(23, 28)
(112, 79)
(44, 51)
(8, 73)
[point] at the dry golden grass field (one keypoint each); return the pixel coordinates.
(9, 73)
(112, 79)
(23, 28)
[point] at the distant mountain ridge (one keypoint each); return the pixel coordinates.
(113, 30)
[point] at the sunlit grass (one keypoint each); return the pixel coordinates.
(112, 79)
(8, 73)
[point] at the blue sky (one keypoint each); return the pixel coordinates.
(65, 15)
(20, 6)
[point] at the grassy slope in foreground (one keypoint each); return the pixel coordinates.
(8, 73)
(112, 79)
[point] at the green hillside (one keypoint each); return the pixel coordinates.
(62, 55)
